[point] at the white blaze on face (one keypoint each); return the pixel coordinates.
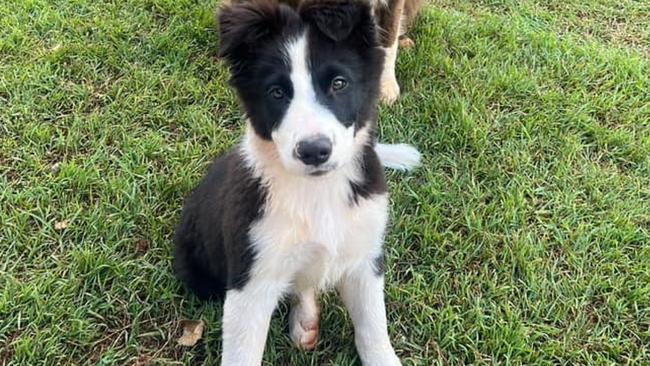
(306, 118)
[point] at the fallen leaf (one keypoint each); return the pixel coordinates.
(192, 332)
(61, 225)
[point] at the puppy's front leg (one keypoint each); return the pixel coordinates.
(362, 291)
(246, 318)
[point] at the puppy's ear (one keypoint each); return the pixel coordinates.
(245, 24)
(341, 20)
(240, 25)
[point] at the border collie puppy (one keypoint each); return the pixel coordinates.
(300, 205)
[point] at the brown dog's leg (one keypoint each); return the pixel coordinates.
(390, 19)
(411, 9)
(394, 19)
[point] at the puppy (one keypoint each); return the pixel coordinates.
(300, 205)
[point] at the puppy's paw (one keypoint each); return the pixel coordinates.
(389, 89)
(303, 326)
(305, 334)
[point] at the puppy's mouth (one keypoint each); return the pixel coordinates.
(321, 170)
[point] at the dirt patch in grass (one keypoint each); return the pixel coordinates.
(7, 348)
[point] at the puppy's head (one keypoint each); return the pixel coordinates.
(308, 77)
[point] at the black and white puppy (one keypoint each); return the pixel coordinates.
(300, 205)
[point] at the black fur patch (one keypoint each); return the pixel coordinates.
(374, 179)
(213, 253)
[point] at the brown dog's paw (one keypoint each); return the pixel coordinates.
(389, 89)
(406, 43)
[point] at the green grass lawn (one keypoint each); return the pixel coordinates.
(524, 238)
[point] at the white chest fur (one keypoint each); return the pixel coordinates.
(310, 232)
(313, 238)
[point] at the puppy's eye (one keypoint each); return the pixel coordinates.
(338, 83)
(276, 92)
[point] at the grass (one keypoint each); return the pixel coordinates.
(524, 238)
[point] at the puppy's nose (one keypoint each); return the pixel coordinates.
(314, 151)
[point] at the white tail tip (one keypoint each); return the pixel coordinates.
(398, 156)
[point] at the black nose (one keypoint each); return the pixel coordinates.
(314, 151)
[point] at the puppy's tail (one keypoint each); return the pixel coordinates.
(398, 156)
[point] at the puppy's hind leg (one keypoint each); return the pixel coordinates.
(303, 319)
(191, 259)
